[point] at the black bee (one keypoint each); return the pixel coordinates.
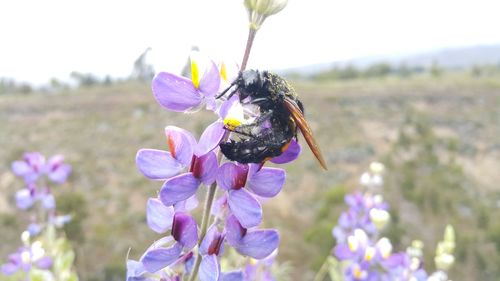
(281, 113)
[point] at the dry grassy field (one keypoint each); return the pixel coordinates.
(438, 136)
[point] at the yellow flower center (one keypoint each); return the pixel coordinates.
(231, 123)
(195, 75)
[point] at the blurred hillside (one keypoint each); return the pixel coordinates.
(461, 58)
(436, 132)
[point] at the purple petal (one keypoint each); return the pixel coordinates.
(209, 268)
(54, 162)
(232, 176)
(9, 268)
(175, 93)
(44, 262)
(213, 242)
(134, 269)
(36, 161)
(207, 240)
(60, 174)
(245, 208)
(219, 207)
(232, 276)
(159, 216)
(210, 138)
(205, 168)
(185, 230)
(186, 205)
(234, 231)
(180, 143)
(210, 82)
(290, 154)
(178, 188)
(226, 106)
(342, 252)
(34, 229)
(159, 258)
(24, 199)
(157, 164)
(267, 182)
(258, 243)
(21, 168)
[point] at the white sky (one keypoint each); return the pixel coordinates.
(51, 38)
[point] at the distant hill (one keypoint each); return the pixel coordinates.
(449, 58)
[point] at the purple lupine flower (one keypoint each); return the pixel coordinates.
(57, 170)
(181, 94)
(211, 248)
(169, 249)
(364, 211)
(264, 182)
(34, 165)
(25, 198)
(27, 257)
(31, 167)
(34, 229)
(257, 244)
(159, 217)
(400, 266)
(184, 152)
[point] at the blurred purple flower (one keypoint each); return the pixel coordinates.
(25, 198)
(181, 94)
(34, 165)
(57, 170)
(264, 182)
(26, 257)
(358, 215)
(31, 167)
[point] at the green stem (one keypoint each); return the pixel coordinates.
(323, 270)
(251, 36)
(204, 226)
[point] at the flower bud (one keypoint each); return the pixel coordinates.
(444, 261)
(415, 250)
(379, 217)
(25, 237)
(377, 167)
(259, 10)
(384, 247)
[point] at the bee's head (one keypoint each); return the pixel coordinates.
(249, 83)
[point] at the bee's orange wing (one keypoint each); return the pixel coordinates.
(301, 122)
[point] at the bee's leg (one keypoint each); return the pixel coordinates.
(259, 101)
(225, 91)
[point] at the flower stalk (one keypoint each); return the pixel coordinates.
(252, 31)
(204, 226)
